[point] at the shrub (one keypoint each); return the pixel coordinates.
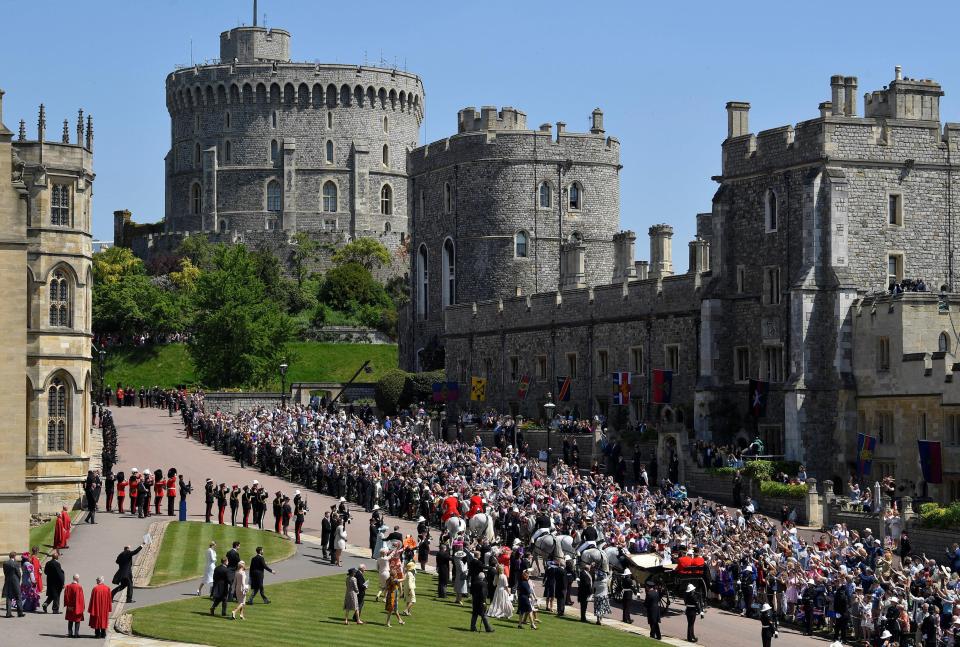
(351, 285)
(790, 468)
(933, 515)
(389, 391)
(758, 470)
(782, 490)
(721, 471)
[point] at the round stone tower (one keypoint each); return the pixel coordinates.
(260, 143)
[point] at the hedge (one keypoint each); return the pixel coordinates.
(933, 515)
(721, 471)
(783, 490)
(398, 389)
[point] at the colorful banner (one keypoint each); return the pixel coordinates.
(931, 460)
(478, 389)
(757, 402)
(446, 392)
(563, 389)
(866, 445)
(523, 387)
(621, 388)
(662, 386)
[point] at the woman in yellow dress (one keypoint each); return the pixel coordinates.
(394, 583)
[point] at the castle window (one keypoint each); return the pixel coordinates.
(449, 269)
(943, 344)
(227, 152)
(271, 224)
(330, 224)
(572, 365)
(603, 362)
(196, 199)
(273, 119)
(196, 123)
(387, 228)
(771, 285)
(883, 421)
(420, 211)
(274, 196)
(895, 209)
(574, 197)
(546, 195)
(329, 152)
(226, 119)
(274, 150)
(59, 300)
(447, 198)
(520, 242)
(636, 357)
(883, 353)
(385, 158)
(60, 205)
(422, 282)
(894, 268)
(386, 125)
(329, 120)
(386, 200)
(330, 197)
(773, 363)
(741, 363)
(57, 416)
(514, 368)
(672, 358)
(770, 211)
(541, 367)
(223, 225)
(741, 278)
(953, 430)
(196, 154)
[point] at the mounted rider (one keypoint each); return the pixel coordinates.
(588, 535)
(477, 504)
(450, 507)
(541, 522)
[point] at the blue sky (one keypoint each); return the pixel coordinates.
(662, 74)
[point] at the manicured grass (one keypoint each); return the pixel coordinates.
(42, 535)
(183, 553)
(310, 612)
(170, 364)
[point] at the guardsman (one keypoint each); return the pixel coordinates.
(208, 498)
(121, 491)
(221, 495)
(692, 607)
(159, 491)
(277, 511)
(134, 478)
(171, 489)
(300, 514)
(245, 505)
(768, 625)
(234, 503)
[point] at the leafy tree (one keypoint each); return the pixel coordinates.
(367, 252)
(304, 251)
(398, 289)
(199, 250)
(239, 334)
(186, 277)
(114, 263)
(268, 270)
(348, 286)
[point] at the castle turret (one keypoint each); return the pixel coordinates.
(661, 251)
(254, 45)
(623, 267)
(905, 98)
(738, 115)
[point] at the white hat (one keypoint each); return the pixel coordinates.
(134, 469)
(894, 601)
(256, 482)
(296, 492)
(867, 530)
(342, 500)
(420, 518)
(765, 607)
(376, 507)
(690, 587)
(810, 582)
(886, 634)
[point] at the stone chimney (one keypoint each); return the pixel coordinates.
(596, 121)
(643, 270)
(837, 98)
(661, 251)
(623, 267)
(850, 88)
(898, 73)
(2, 127)
(826, 109)
(488, 118)
(699, 256)
(738, 113)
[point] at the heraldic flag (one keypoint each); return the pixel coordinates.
(563, 389)
(866, 445)
(931, 461)
(446, 392)
(758, 398)
(662, 386)
(523, 387)
(478, 388)
(621, 388)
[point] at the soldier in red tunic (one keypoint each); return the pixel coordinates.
(159, 490)
(121, 491)
(171, 490)
(476, 504)
(134, 483)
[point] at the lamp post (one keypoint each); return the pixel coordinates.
(283, 384)
(549, 408)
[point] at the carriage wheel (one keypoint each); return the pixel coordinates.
(616, 587)
(664, 602)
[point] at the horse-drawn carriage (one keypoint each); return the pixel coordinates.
(649, 568)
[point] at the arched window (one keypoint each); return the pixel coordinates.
(274, 150)
(387, 228)
(422, 282)
(447, 198)
(386, 125)
(448, 268)
(196, 199)
(574, 196)
(226, 119)
(329, 151)
(227, 152)
(57, 416)
(770, 210)
(330, 196)
(386, 200)
(60, 205)
(546, 195)
(944, 343)
(273, 119)
(274, 197)
(329, 120)
(196, 154)
(386, 155)
(59, 300)
(521, 241)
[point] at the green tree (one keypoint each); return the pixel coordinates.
(367, 252)
(199, 250)
(304, 251)
(239, 334)
(349, 286)
(114, 263)
(268, 270)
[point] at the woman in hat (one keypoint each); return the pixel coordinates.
(410, 586)
(339, 541)
(241, 587)
(211, 564)
(394, 583)
(351, 606)
(601, 597)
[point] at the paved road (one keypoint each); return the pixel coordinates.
(149, 438)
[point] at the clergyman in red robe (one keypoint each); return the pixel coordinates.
(73, 606)
(101, 605)
(61, 530)
(37, 571)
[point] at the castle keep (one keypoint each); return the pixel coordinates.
(809, 223)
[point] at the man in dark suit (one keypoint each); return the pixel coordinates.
(584, 589)
(652, 603)
(56, 580)
(11, 583)
(220, 588)
(361, 588)
(626, 599)
(233, 559)
(559, 575)
(257, 567)
(124, 575)
(443, 569)
(478, 595)
(325, 529)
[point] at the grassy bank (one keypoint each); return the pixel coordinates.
(170, 364)
(183, 553)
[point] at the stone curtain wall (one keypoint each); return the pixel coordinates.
(235, 402)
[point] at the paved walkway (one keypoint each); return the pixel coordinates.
(150, 439)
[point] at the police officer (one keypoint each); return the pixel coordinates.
(768, 625)
(693, 607)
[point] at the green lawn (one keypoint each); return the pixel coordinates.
(170, 364)
(310, 612)
(183, 552)
(42, 535)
